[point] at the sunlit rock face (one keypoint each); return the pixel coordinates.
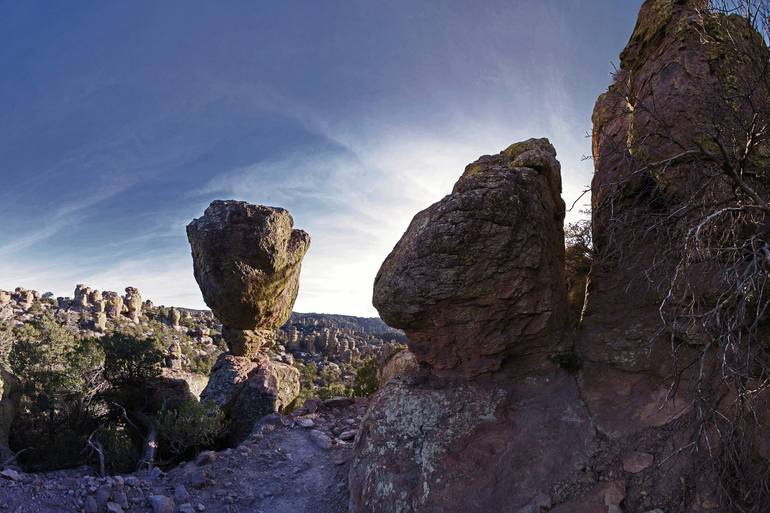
(133, 302)
(247, 262)
(486, 422)
(478, 276)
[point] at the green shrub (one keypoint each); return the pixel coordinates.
(367, 379)
(190, 426)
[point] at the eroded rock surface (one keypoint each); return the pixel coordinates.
(486, 422)
(478, 276)
(247, 263)
(247, 390)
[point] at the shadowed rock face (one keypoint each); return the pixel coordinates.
(478, 276)
(673, 86)
(247, 263)
(486, 423)
(247, 390)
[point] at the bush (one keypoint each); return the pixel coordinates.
(131, 360)
(367, 379)
(189, 427)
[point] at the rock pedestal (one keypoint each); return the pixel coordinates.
(247, 262)
(248, 389)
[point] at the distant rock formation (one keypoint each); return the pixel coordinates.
(487, 423)
(133, 302)
(247, 261)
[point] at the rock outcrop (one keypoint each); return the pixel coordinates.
(672, 90)
(480, 424)
(247, 390)
(476, 282)
(10, 395)
(247, 261)
(133, 302)
(478, 277)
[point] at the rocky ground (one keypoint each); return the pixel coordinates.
(293, 463)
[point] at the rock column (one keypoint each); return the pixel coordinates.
(247, 262)
(486, 422)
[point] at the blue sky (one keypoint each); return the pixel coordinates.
(121, 121)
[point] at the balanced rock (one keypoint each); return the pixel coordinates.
(478, 276)
(133, 302)
(80, 296)
(247, 262)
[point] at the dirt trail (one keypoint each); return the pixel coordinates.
(290, 464)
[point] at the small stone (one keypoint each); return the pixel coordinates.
(305, 422)
(119, 497)
(338, 402)
(181, 495)
(200, 507)
(206, 457)
(155, 473)
(349, 435)
(198, 478)
(636, 462)
(11, 474)
(113, 507)
(90, 505)
(186, 508)
(161, 504)
(132, 481)
(320, 439)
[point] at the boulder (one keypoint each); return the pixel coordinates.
(671, 89)
(174, 316)
(400, 363)
(247, 262)
(431, 444)
(5, 297)
(95, 296)
(23, 297)
(100, 320)
(248, 389)
(478, 277)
